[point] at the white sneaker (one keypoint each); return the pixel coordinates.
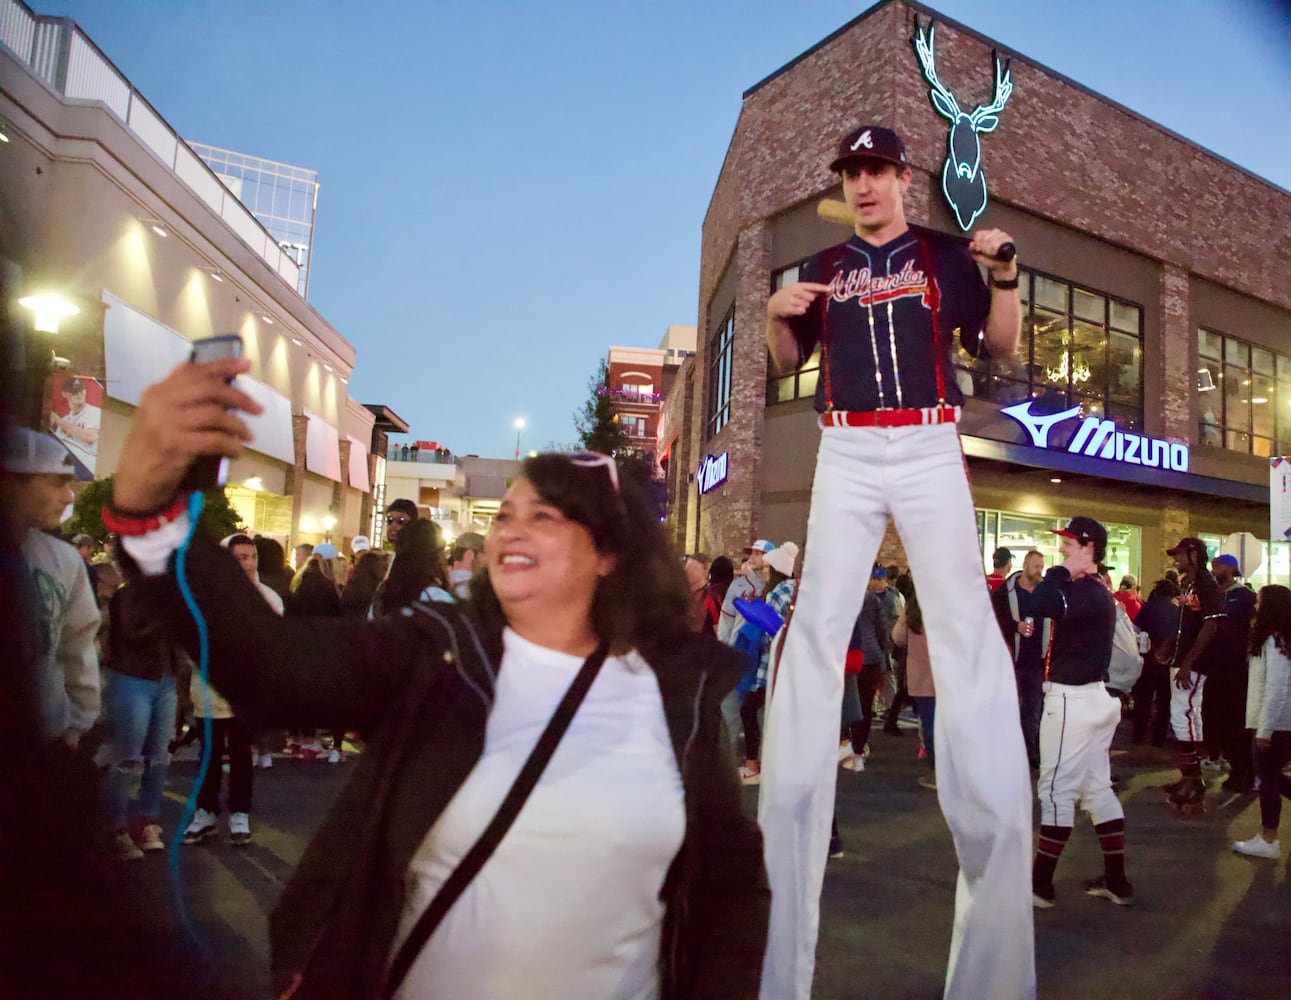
(1258, 847)
(854, 762)
(240, 829)
(126, 848)
(264, 761)
(844, 751)
(150, 839)
(204, 825)
(334, 757)
(750, 777)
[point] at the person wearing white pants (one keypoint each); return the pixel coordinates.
(883, 306)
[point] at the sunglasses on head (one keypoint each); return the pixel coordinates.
(593, 459)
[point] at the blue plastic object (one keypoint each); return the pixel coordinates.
(760, 614)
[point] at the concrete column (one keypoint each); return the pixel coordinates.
(295, 479)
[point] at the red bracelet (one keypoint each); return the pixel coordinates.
(132, 525)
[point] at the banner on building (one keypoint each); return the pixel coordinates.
(1280, 499)
(75, 416)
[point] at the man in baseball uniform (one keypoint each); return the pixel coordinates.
(1201, 609)
(1080, 715)
(885, 307)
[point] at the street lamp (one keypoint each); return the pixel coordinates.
(328, 523)
(519, 428)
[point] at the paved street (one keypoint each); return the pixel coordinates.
(1207, 923)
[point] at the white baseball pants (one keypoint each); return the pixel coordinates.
(1076, 733)
(917, 475)
(1185, 708)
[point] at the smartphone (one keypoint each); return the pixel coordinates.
(211, 471)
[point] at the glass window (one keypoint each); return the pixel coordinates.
(1051, 294)
(720, 355)
(1126, 317)
(1245, 403)
(1089, 306)
(1210, 345)
(1020, 533)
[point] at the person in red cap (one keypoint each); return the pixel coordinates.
(885, 309)
(1201, 610)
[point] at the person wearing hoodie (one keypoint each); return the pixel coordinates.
(229, 734)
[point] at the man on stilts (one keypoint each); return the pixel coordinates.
(885, 307)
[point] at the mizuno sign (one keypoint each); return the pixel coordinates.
(1098, 438)
(712, 472)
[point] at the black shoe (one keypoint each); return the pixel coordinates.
(892, 730)
(1238, 787)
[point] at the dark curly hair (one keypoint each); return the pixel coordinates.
(418, 564)
(1272, 619)
(644, 602)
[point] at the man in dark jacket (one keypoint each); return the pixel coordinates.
(1026, 633)
(1224, 706)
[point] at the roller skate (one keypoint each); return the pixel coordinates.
(1190, 798)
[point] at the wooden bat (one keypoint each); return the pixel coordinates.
(832, 210)
(835, 211)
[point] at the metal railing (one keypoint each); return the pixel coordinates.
(65, 58)
(409, 454)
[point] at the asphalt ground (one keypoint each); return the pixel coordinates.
(1206, 923)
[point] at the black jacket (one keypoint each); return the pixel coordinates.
(421, 683)
(1084, 614)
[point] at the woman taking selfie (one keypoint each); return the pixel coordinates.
(629, 870)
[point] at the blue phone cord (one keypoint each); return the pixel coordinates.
(195, 503)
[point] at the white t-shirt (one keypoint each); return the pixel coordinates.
(568, 905)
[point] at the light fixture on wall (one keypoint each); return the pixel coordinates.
(215, 273)
(327, 367)
(344, 380)
(4, 130)
(296, 341)
(156, 225)
(267, 318)
(48, 310)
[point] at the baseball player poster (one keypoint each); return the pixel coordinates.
(1280, 499)
(75, 413)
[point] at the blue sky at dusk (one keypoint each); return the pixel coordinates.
(510, 188)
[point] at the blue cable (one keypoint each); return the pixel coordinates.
(195, 503)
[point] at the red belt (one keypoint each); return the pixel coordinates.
(890, 418)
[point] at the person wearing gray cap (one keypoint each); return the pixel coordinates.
(35, 488)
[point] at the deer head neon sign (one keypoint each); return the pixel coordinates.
(962, 179)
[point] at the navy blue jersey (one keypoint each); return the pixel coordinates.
(876, 323)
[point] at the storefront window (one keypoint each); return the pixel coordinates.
(1243, 396)
(1275, 567)
(1020, 533)
(799, 384)
(1078, 346)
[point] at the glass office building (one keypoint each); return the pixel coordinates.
(284, 198)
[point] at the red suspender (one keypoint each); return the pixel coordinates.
(934, 300)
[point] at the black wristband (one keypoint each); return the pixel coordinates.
(1007, 283)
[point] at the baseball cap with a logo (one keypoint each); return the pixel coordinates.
(870, 142)
(761, 545)
(31, 453)
(1086, 529)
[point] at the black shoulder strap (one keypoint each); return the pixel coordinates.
(483, 848)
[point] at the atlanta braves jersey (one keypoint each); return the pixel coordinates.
(887, 324)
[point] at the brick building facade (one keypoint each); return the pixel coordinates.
(1152, 267)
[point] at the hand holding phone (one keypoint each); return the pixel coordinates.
(187, 415)
(208, 472)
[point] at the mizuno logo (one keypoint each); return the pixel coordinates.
(864, 139)
(1098, 438)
